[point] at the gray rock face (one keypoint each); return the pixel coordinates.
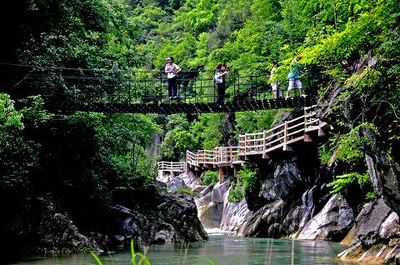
(331, 223)
(385, 176)
(377, 236)
(234, 214)
(59, 235)
(289, 183)
(178, 222)
(266, 222)
(175, 184)
(192, 182)
(369, 222)
(180, 211)
(390, 228)
(210, 204)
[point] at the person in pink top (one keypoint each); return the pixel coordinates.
(171, 69)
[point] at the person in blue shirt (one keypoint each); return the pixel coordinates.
(294, 77)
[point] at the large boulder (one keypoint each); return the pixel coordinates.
(331, 223)
(177, 221)
(180, 211)
(369, 221)
(376, 236)
(210, 204)
(266, 222)
(57, 234)
(175, 184)
(192, 182)
(385, 176)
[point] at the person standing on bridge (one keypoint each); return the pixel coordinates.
(273, 79)
(294, 76)
(219, 79)
(171, 69)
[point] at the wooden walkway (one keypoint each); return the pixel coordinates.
(280, 138)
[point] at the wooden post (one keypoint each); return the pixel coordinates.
(264, 143)
(320, 130)
(221, 174)
(285, 137)
(245, 147)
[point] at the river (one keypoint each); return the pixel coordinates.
(221, 249)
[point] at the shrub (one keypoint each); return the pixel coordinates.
(210, 178)
(246, 178)
(186, 191)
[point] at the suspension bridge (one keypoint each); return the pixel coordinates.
(100, 90)
(281, 138)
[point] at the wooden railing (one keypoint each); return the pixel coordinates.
(281, 136)
(261, 143)
(171, 166)
(218, 157)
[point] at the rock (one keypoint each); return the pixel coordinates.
(176, 184)
(376, 236)
(178, 222)
(180, 211)
(57, 234)
(125, 224)
(234, 214)
(261, 194)
(164, 233)
(192, 182)
(385, 176)
(210, 204)
(331, 223)
(289, 182)
(257, 224)
(390, 227)
(369, 221)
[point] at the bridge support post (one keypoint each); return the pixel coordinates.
(307, 138)
(221, 174)
(197, 174)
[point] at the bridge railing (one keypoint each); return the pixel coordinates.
(218, 156)
(280, 136)
(191, 158)
(261, 143)
(226, 155)
(205, 157)
(171, 166)
(133, 87)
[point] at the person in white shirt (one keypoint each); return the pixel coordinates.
(219, 79)
(171, 69)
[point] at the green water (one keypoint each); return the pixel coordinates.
(222, 250)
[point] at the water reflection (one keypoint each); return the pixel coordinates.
(223, 250)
